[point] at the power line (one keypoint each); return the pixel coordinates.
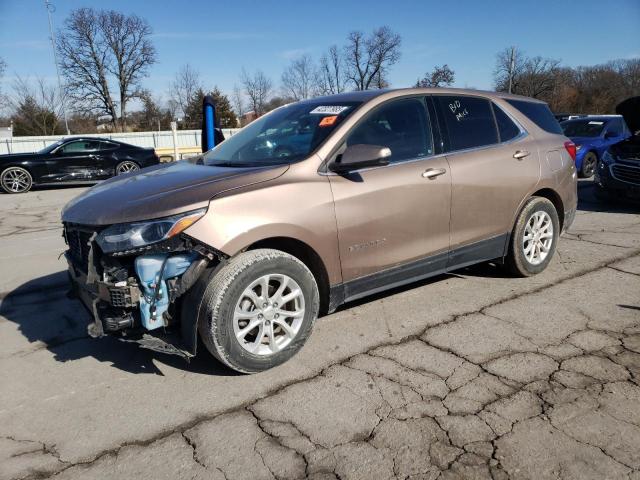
(51, 8)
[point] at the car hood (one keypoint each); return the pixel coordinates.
(630, 110)
(160, 191)
(628, 149)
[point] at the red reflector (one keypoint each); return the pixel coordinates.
(571, 148)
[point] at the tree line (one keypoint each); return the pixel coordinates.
(593, 89)
(105, 56)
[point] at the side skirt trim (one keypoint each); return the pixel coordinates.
(431, 266)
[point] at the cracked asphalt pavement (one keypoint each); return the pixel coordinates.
(468, 375)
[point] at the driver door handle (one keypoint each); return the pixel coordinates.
(433, 172)
(520, 154)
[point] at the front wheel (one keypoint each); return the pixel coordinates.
(258, 310)
(534, 238)
(16, 180)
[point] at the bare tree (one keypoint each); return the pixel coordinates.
(368, 58)
(238, 101)
(99, 48)
(258, 89)
(530, 76)
(184, 87)
(330, 77)
(3, 67)
(298, 79)
(36, 107)
(439, 77)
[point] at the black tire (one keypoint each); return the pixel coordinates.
(589, 163)
(9, 186)
(224, 288)
(516, 260)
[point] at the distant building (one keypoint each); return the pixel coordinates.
(247, 118)
(6, 132)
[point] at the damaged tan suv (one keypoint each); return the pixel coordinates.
(313, 205)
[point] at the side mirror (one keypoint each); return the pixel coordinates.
(360, 156)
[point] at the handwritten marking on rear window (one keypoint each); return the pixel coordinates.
(328, 110)
(458, 110)
(595, 123)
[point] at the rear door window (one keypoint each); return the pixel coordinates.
(468, 121)
(539, 114)
(507, 129)
(402, 125)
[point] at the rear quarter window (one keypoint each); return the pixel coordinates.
(539, 114)
(468, 121)
(507, 129)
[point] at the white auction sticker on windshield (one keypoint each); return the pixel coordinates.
(595, 123)
(329, 110)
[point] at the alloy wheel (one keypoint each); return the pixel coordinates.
(16, 180)
(127, 167)
(590, 166)
(538, 237)
(269, 314)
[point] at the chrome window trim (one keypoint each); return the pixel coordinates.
(523, 134)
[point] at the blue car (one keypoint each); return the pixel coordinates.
(592, 136)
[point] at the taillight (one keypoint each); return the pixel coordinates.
(571, 148)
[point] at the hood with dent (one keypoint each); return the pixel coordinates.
(160, 191)
(630, 110)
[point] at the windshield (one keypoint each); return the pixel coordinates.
(285, 135)
(583, 128)
(51, 147)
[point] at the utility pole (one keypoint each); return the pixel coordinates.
(512, 62)
(51, 8)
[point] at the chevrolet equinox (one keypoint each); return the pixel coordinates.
(313, 205)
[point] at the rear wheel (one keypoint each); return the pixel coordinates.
(534, 238)
(588, 165)
(127, 167)
(258, 310)
(16, 180)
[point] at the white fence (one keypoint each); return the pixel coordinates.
(186, 139)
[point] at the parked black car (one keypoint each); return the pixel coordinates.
(618, 173)
(78, 160)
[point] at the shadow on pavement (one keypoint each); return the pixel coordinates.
(49, 319)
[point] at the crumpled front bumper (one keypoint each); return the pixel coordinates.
(102, 298)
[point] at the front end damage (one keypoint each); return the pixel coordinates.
(137, 295)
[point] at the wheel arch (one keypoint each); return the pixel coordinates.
(28, 168)
(554, 198)
(307, 255)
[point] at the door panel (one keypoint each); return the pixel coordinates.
(391, 215)
(488, 182)
(75, 161)
(396, 214)
(488, 187)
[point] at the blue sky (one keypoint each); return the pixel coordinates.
(219, 38)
